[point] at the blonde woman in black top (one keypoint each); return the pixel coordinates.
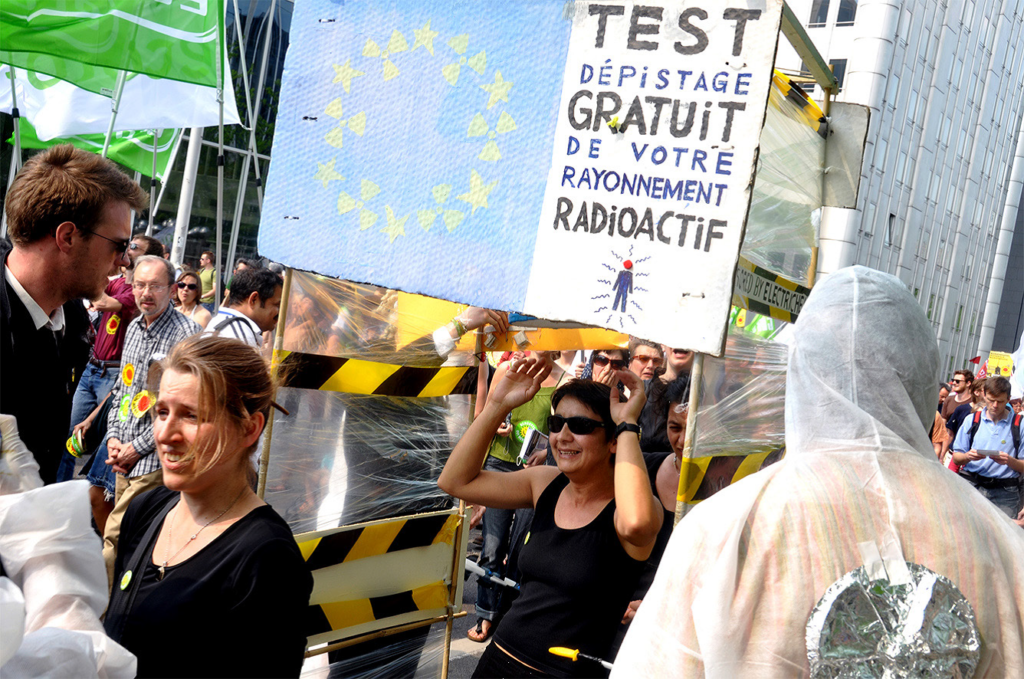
(204, 560)
(595, 525)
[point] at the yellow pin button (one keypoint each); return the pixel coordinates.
(125, 579)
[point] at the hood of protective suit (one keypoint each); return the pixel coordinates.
(744, 570)
(863, 368)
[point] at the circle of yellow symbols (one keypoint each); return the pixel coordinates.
(483, 125)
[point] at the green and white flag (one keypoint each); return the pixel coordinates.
(86, 42)
(133, 149)
(59, 109)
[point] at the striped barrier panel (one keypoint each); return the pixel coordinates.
(702, 477)
(356, 376)
(381, 574)
(767, 293)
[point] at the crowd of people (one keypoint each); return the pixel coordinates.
(121, 369)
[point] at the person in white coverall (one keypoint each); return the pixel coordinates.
(745, 568)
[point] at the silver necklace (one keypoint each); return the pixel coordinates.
(170, 533)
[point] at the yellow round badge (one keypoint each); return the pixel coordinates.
(113, 323)
(125, 579)
(142, 402)
(128, 374)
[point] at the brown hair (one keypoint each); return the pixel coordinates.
(997, 386)
(234, 384)
(968, 375)
(66, 184)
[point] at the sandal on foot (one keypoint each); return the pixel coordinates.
(477, 633)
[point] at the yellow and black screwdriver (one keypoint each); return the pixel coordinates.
(574, 655)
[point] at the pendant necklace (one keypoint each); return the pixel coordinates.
(170, 531)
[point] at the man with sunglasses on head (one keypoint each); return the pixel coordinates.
(116, 306)
(69, 222)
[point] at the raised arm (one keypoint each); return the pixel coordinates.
(638, 514)
(463, 477)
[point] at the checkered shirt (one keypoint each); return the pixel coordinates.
(129, 419)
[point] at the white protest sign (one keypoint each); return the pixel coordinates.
(653, 160)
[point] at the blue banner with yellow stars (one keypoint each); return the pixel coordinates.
(410, 128)
(576, 161)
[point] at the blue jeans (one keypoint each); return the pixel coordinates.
(1007, 500)
(93, 386)
(496, 526)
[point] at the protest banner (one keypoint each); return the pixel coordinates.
(589, 163)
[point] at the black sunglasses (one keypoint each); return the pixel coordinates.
(602, 361)
(577, 425)
(122, 245)
(191, 286)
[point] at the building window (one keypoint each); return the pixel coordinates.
(838, 70)
(931, 305)
(959, 317)
(847, 12)
(819, 14)
(890, 230)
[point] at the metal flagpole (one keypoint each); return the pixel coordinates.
(170, 165)
(696, 377)
(17, 128)
(153, 181)
(188, 187)
(114, 103)
(219, 271)
(253, 111)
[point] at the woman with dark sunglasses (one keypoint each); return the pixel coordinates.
(595, 524)
(188, 291)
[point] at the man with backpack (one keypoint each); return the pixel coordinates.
(989, 446)
(252, 307)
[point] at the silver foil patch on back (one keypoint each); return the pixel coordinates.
(872, 628)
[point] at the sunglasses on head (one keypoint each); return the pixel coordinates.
(602, 361)
(191, 286)
(577, 425)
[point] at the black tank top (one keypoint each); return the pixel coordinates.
(576, 585)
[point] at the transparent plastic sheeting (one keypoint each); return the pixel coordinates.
(408, 654)
(785, 209)
(330, 317)
(340, 459)
(743, 400)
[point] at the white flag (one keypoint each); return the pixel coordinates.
(1017, 379)
(59, 109)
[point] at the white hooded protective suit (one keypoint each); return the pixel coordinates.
(745, 568)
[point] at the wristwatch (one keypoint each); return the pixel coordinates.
(627, 426)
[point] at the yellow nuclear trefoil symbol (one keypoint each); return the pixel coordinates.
(452, 218)
(478, 127)
(396, 44)
(477, 62)
(357, 124)
(347, 203)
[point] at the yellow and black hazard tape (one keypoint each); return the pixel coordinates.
(813, 116)
(349, 544)
(702, 477)
(346, 545)
(767, 293)
(356, 376)
(339, 615)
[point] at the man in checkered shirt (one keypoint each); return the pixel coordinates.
(130, 442)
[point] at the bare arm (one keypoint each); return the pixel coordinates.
(463, 477)
(638, 514)
(105, 303)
